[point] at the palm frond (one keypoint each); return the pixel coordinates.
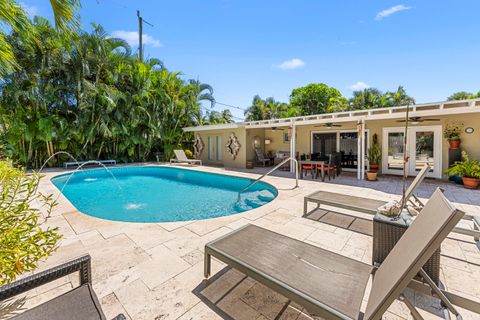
(65, 12)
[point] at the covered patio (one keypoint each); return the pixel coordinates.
(348, 136)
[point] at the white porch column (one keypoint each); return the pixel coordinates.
(359, 150)
(293, 142)
(363, 149)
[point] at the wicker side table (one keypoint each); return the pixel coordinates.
(386, 233)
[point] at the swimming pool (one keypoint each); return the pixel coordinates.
(160, 194)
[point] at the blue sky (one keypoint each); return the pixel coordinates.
(243, 48)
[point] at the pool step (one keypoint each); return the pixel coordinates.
(263, 195)
(265, 198)
(254, 203)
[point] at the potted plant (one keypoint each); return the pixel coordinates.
(452, 133)
(374, 156)
(468, 169)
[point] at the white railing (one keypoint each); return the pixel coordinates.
(275, 168)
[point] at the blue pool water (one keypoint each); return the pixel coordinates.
(160, 194)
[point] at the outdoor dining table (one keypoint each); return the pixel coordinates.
(315, 165)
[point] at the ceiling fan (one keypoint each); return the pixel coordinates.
(329, 125)
(417, 120)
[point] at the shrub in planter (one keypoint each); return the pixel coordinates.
(374, 154)
(23, 239)
(468, 169)
(452, 133)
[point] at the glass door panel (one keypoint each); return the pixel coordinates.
(395, 151)
(323, 144)
(348, 146)
(424, 150)
(210, 147)
(219, 148)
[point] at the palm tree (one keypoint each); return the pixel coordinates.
(13, 15)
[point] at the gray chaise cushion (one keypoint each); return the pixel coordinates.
(78, 304)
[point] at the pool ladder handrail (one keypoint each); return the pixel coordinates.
(275, 168)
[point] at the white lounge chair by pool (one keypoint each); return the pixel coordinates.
(181, 157)
(93, 162)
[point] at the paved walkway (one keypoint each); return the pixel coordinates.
(155, 270)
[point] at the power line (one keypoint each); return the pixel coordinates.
(209, 110)
(229, 105)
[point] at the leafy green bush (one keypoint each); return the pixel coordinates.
(23, 241)
(189, 154)
(466, 168)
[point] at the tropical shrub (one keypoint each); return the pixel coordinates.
(463, 95)
(85, 93)
(374, 153)
(269, 109)
(23, 239)
(317, 98)
(188, 153)
(465, 168)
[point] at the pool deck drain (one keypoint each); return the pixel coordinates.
(155, 270)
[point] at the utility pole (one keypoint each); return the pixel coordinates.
(140, 34)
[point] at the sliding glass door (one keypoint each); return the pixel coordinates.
(345, 142)
(348, 146)
(324, 143)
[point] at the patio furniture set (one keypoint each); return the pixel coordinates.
(325, 283)
(314, 164)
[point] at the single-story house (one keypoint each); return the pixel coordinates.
(233, 144)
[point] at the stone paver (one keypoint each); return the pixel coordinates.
(155, 271)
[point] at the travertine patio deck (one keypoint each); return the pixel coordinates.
(155, 270)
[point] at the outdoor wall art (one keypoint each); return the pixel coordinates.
(198, 146)
(233, 145)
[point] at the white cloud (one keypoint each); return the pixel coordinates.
(132, 38)
(360, 85)
(388, 12)
(291, 64)
(30, 10)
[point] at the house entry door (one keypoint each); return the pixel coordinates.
(424, 145)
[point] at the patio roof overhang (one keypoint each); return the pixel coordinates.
(418, 110)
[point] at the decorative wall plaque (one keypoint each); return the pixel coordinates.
(233, 145)
(198, 146)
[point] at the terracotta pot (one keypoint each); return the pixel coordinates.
(373, 167)
(470, 183)
(371, 176)
(454, 143)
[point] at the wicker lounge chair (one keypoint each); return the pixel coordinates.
(80, 303)
(181, 157)
(328, 284)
